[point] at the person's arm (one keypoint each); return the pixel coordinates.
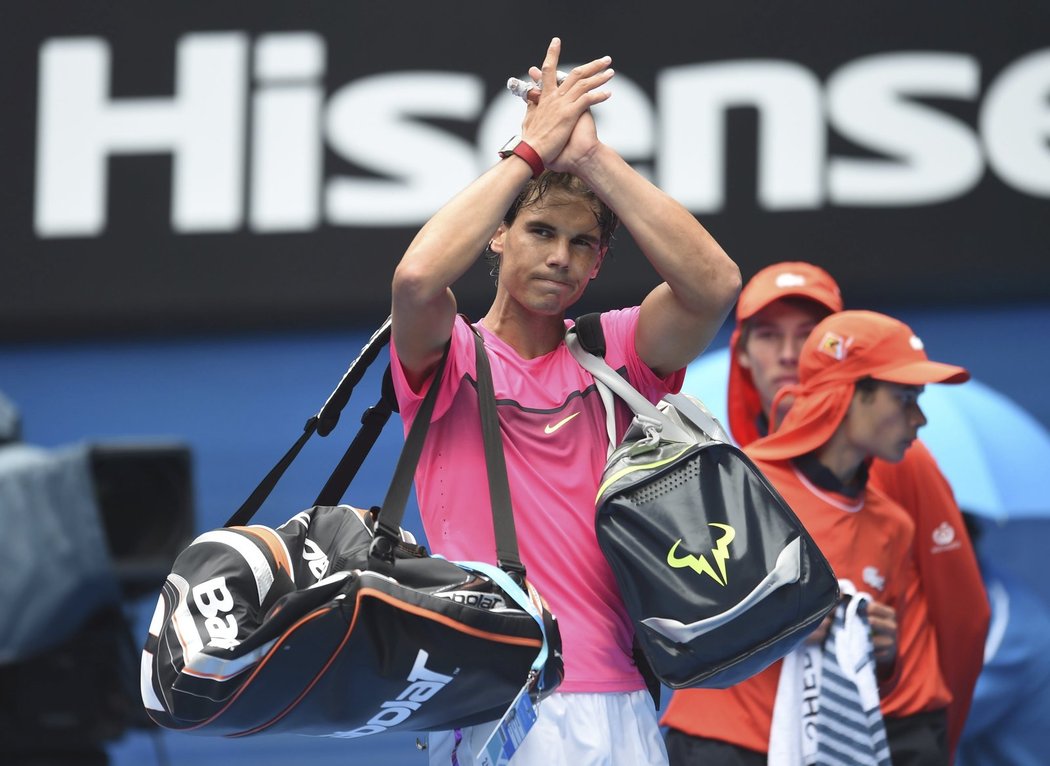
(950, 576)
(423, 305)
(452, 240)
(682, 314)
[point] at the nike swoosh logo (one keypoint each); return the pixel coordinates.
(549, 429)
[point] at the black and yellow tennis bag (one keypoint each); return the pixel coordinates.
(719, 576)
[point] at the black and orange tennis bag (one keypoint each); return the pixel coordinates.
(336, 622)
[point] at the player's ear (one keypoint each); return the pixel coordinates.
(496, 243)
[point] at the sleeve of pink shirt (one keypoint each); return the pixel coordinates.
(460, 362)
(621, 352)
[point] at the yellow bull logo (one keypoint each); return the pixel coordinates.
(720, 553)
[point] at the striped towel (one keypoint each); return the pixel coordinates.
(827, 707)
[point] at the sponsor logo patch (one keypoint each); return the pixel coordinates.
(214, 602)
(944, 538)
(788, 279)
(423, 684)
(944, 534)
(720, 554)
(551, 428)
(472, 598)
(315, 559)
(873, 578)
(834, 345)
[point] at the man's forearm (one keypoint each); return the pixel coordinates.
(681, 316)
(451, 241)
(681, 250)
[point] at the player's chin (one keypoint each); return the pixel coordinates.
(554, 303)
(549, 306)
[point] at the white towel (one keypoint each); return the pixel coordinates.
(792, 738)
(826, 711)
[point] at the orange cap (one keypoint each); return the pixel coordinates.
(842, 349)
(789, 279)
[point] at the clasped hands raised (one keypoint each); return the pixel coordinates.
(558, 123)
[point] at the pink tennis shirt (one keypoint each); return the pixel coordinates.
(555, 444)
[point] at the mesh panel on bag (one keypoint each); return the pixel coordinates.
(665, 485)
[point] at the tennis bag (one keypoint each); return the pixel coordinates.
(336, 622)
(719, 576)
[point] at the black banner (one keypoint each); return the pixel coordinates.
(215, 166)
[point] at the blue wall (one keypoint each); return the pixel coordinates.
(240, 401)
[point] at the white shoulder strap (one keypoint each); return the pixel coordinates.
(601, 370)
(607, 378)
(609, 403)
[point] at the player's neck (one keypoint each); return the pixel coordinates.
(530, 334)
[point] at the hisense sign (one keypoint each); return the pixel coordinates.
(208, 167)
(251, 117)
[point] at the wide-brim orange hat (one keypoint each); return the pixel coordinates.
(842, 349)
(790, 279)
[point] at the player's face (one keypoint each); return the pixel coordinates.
(774, 339)
(549, 253)
(885, 423)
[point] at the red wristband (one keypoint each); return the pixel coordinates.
(519, 148)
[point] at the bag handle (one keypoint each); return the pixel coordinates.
(372, 422)
(393, 508)
(323, 422)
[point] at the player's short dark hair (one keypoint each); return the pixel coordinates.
(551, 182)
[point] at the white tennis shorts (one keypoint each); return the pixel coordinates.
(571, 729)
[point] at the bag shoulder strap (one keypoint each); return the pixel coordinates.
(592, 336)
(606, 375)
(323, 423)
(642, 407)
(507, 555)
(372, 423)
(393, 508)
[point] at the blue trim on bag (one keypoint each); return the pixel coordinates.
(521, 598)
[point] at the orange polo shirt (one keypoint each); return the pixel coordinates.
(867, 540)
(955, 595)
